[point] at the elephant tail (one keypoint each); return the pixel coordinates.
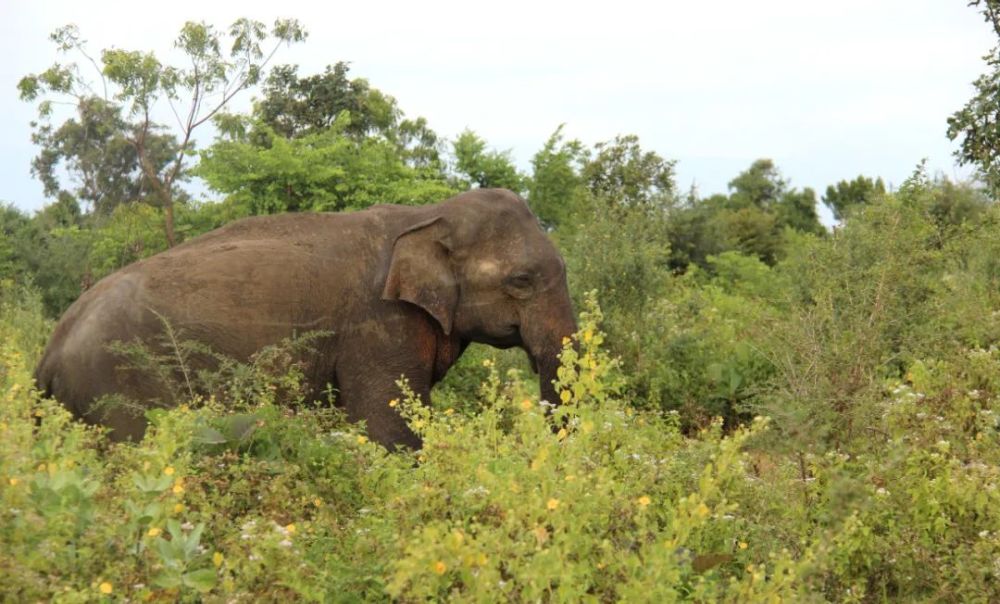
(45, 375)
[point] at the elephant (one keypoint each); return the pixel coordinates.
(401, 291)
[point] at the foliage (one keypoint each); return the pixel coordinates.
(556, 189)
(846, 194)
(294, 107)
(112, 152)
(328, 170)
(506, 502)
(761, 186)
(96, 153)
(620, 171)
(975, 123)
(477, 166)
(757, 410)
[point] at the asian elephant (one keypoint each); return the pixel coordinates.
(402, 290)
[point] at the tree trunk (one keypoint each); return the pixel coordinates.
(168, 221)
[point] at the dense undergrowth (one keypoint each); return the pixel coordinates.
(824, 428)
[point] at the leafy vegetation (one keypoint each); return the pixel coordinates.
(754, 408)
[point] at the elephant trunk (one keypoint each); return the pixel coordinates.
(543, 336)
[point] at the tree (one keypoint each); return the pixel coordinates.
(556, 187)
(94, 151)
(762, 187)
(133, 82)
(846, 194)
(622, 173)
(294, 106)
(482, 167)
(796, 209)
(978, 122)
(326, 170)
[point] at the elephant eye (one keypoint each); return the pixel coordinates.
(519, 285)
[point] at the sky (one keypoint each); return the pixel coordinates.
(828, 90)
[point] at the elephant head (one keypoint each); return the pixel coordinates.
(483, 268)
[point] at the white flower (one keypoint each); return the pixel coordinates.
(285, 543)
(477, 490)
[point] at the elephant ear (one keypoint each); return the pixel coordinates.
(420, 271)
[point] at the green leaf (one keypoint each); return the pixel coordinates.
(241, 427)
(167, 581)
(207, 435)
(203, 579)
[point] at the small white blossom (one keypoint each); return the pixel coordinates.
(476, 491)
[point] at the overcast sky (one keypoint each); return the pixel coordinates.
(829, 90)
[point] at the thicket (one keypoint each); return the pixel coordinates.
(757, 408)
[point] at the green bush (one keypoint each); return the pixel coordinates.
(824, 429)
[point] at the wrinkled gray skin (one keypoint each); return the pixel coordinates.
(403, 290)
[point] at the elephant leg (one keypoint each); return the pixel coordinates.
(366, 395)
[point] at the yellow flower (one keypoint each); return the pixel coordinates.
(13, 482)
(552, 504)
(169, 470)
(564, 396)
(362, 439)
(178, 508)
(449, 411)
(526, 404)
(743, 545)
(440, 567)
(41, 467)
(588, 335)
(570, 478)
(178, 488)
(105, 587)
(562, 433)
(217, 559)
(394, 402)
(702, 510)
(290, 528)
(317, 502)
(565, 341)
(154, 532)
(643, 501)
